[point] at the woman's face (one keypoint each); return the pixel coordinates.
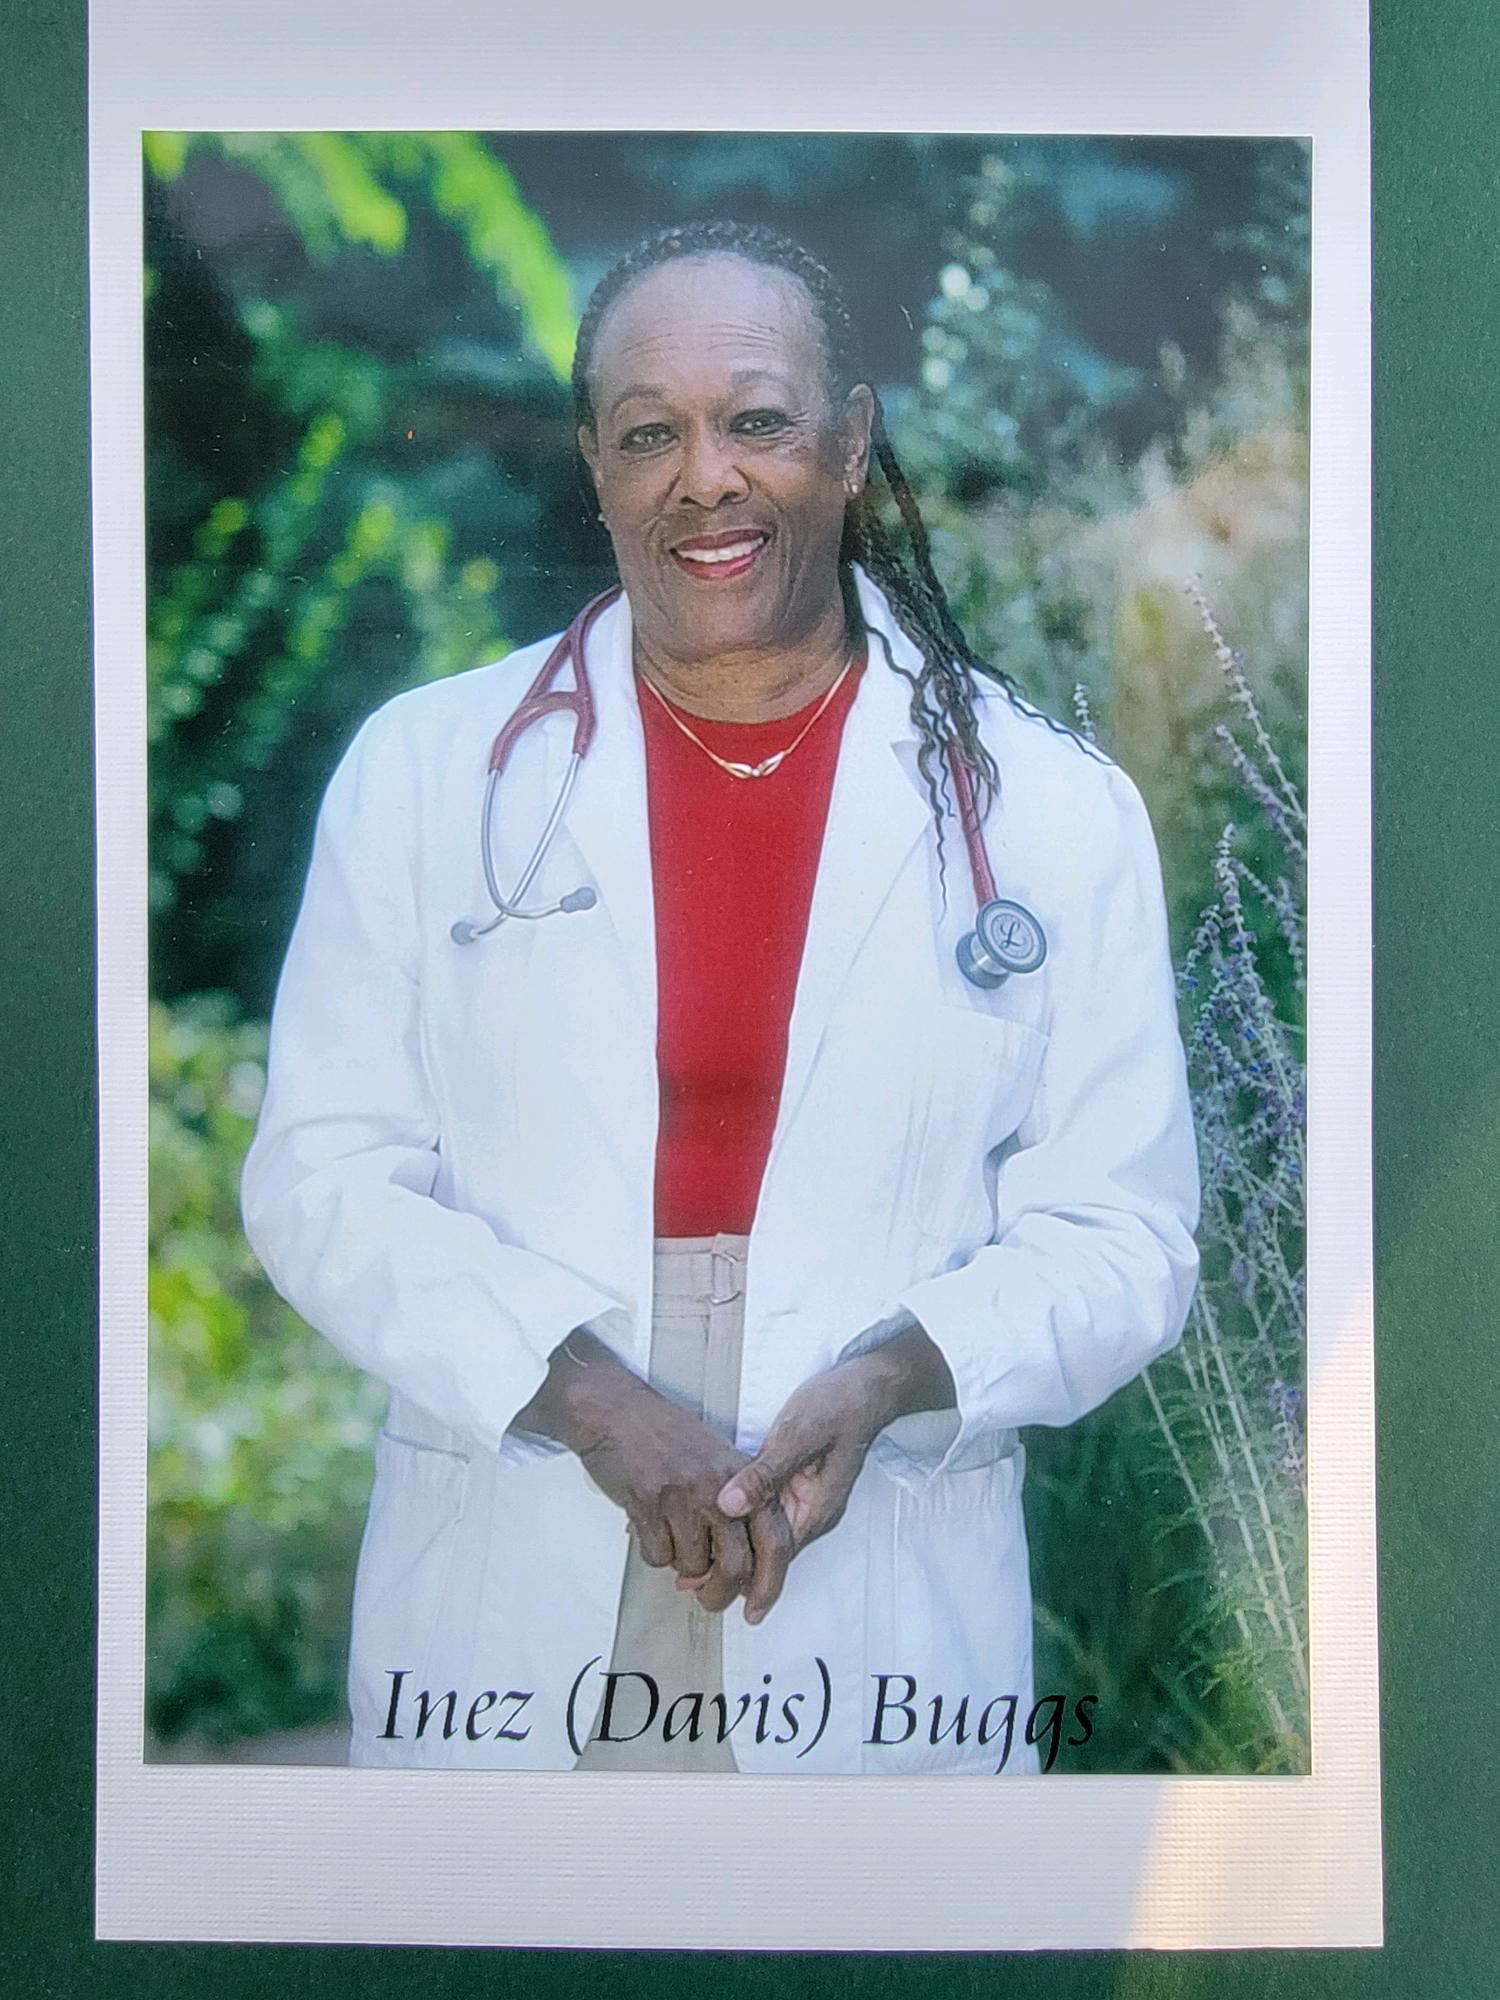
(721, 461)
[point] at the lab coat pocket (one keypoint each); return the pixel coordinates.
(961, 1616)
(983, 1075)
(401, 1588)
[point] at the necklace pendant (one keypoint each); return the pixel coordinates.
(767, 764)
(761, 770)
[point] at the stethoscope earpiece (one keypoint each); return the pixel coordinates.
(1006, 938)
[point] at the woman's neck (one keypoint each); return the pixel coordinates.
(755, 685)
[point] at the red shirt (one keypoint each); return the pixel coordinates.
(733, 862)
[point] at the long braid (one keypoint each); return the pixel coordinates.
(943, 688)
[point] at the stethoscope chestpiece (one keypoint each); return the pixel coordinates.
(1006, 938)
(465, 932)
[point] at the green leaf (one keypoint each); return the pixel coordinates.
(362, 209)
(166, 153)
(505, 238)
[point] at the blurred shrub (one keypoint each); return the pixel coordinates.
(260, 1434)
(1196, 1633)
(1065, 548)
(329, 514)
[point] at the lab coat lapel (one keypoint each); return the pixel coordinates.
(607, 818)
(877, 813)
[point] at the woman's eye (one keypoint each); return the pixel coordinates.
(644, 437)
(761, 423)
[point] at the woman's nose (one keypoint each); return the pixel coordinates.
(708, 472)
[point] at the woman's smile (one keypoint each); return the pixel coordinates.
(717, 558)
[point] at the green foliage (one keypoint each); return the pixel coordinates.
(1068, 494)
(260, 1434)
(471, 188)
(332, 187)
(299, 578)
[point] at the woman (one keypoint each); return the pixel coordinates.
(715, 1235)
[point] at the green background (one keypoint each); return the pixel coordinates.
(1438, 844)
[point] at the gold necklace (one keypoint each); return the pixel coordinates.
(767, 764)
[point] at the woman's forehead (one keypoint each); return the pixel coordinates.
(705, 316)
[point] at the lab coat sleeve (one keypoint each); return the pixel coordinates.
(338, 1186)
(1092, 1265)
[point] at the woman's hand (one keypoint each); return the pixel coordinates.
(664, 1468)
(813, 1453)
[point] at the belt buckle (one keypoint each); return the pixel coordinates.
(717, 1293)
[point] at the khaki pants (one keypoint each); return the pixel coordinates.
(696, 1332)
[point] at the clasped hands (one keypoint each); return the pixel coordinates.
(731, 1525)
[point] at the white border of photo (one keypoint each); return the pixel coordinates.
(334, 1855)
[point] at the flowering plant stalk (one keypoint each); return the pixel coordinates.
(1228, 1401)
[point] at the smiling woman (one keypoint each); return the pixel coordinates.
(715, 1244)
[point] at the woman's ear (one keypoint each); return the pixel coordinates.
(857, 427)
(588, 444)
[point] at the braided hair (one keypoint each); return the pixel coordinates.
(943, 688)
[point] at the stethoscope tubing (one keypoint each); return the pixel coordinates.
(968, 819)
(540, 700)
(509, 906)
(987, 955)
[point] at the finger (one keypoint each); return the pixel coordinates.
(653, 1540)
(772, 1547)
(692, 1552)
(758, 1483)
(734, 1564)
(816, 1502)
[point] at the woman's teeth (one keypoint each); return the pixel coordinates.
(731, 552)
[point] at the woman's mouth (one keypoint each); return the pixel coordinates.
(716, 558)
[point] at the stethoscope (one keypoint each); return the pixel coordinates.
(1006, 937)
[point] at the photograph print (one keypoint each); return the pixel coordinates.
(727, 753)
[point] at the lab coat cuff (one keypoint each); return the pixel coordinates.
(519, 1447)
(913, 1448)
(917, 1448)
(524, 1447)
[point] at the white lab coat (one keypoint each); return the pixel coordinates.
(454, 1167)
